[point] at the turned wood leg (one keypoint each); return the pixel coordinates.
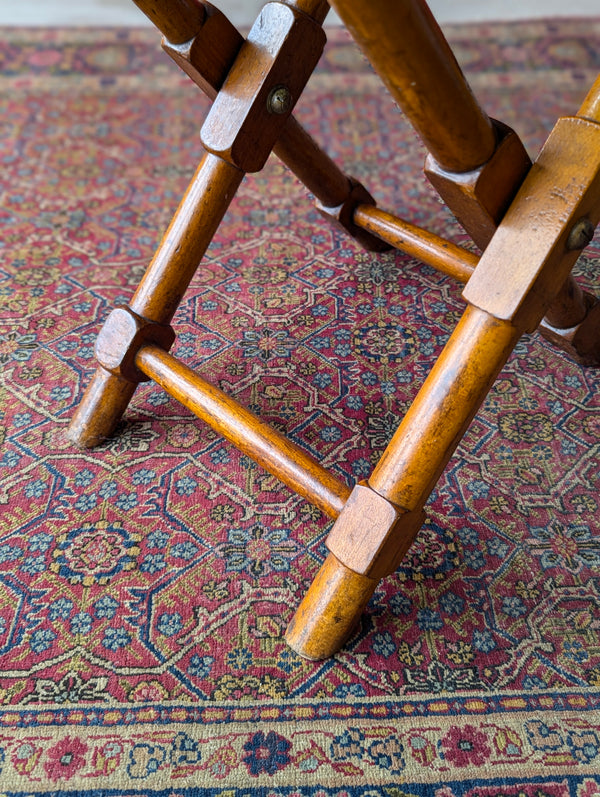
(476, 164)
(374, 531)
(154, 303)
(518, 277)
(330, 611)
(101, 408)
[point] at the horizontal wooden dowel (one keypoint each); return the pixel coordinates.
(442, 255)
(274, 452)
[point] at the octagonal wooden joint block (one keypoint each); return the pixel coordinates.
(480, 198)
(123, 334)
(343, 216)
(537, 243)
(263, 85)
(372, 535)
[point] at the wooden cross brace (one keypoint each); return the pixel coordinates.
(531, 222)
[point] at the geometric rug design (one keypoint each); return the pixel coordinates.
(145, 586)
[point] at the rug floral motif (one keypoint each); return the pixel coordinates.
(145, 586)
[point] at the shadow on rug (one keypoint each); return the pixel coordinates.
(146, 585)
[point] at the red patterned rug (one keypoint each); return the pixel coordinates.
(145, 586)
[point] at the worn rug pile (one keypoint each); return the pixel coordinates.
(145, 586)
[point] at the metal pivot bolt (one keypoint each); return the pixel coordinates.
(279, 100)
(580, 235)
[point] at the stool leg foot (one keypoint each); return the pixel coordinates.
(330, 610)
(161, 289)
(405, 475)
(101, 409)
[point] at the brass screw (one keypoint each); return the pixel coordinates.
(581, 234)
(279, 100)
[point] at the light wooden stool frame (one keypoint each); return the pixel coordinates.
(531, 222)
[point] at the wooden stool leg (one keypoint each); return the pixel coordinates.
(517, 278)
(406, 47)
(330, 610)
(404, 477)
(101, 408)
(475, 164)
(186, 240)
(239, 133)
(160, 292)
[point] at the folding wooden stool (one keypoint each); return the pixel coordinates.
(531, 221)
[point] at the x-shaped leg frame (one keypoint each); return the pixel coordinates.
(531, 239)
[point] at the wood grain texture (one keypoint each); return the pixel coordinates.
(281, 51)
(183, 245)
(291, 464)
(121, 337)
(372, 535)
(207, 54)
(179, 20)
(440, 254)
(529, 258)
(480, 197)
(105, 400)
(406, 47)
(330, 610)
(443, 408)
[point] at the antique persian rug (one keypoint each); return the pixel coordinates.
(145, 586)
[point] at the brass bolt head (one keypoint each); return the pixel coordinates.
(279, 100)
(581, 234)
